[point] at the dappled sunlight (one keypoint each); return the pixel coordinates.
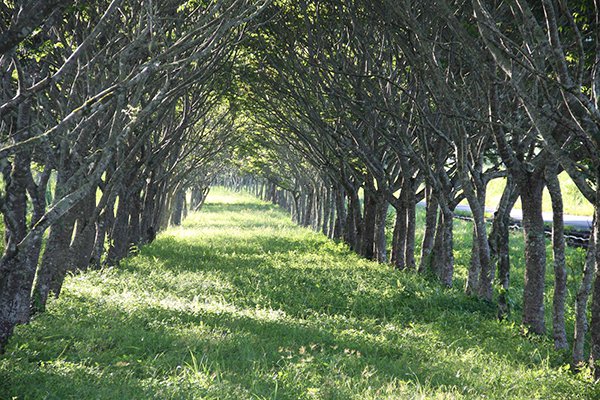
(233, 306)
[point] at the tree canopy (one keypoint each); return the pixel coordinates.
(114, 115)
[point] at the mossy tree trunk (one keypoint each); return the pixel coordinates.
(531, 186)
(558, 252)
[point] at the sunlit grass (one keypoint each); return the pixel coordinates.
(574, 202)
(241, 304)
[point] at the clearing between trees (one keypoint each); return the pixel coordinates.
(239, 302)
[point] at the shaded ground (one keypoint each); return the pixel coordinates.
(240, 303)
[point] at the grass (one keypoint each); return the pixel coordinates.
(241, 304)
(574, 202)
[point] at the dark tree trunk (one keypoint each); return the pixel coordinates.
(340, 215)
(119, 244)
(17, 271)
(148, 228)
(353, 221)
(481, 273)
(197, 198)
(558, 251)
(307, 221)
(319, 198)
(411, 228)
(19, 260)
(368, 234)
(83, 242)
(399, 237)
(380, 239)
(103, 225)
(499, 243)
(442, 257)
(54, 261)
(431, 217)
(135, 209)
(163, 208)
(178, 205)
(326, 211)
(297, 213)
(581, 301)
(530, 190)
(595, 309)
(474, 266)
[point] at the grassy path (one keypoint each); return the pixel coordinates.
(241, 304)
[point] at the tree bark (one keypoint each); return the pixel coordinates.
(443, 259)
(499, 243)
(20, 258)
(83, 242)
(581, 301)
(380, 222)
(558, 251)
(399, 237)
(530, 190)
(368, 235)
(431, 218)
(340, 214)
(474, 266)
(411, 228)
(178, 204)
(119, 243)
(595, 309)
(54, 261)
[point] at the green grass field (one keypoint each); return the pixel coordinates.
(574, 202)
(241, 304)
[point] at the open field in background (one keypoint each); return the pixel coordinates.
(574, 202)
(239, 303)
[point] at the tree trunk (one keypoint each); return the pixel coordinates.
(308, 216)
(481, 267)
(326, 211)
(474, 266)
(17, 271)
(499, 243)
(353, 221)
(431, 217)
(83, 242)
(581, 301)
(399, 237)
(560, 270)
(178, 205)
(135, 210)
(595, 310)
(340, 214)
(530, 190)
(443, 259)
(148, 229)
(54, 261)
(411, 228)
(119, 244)
(19, 260)
(380, 222)
(368, 235)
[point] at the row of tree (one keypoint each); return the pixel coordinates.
(399, 101)
(110, 110)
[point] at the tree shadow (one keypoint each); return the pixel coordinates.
(292, 314)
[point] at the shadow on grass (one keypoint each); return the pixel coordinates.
(295, 315)
(288, 279)
(117, 354)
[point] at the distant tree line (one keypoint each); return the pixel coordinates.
(403, 101)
